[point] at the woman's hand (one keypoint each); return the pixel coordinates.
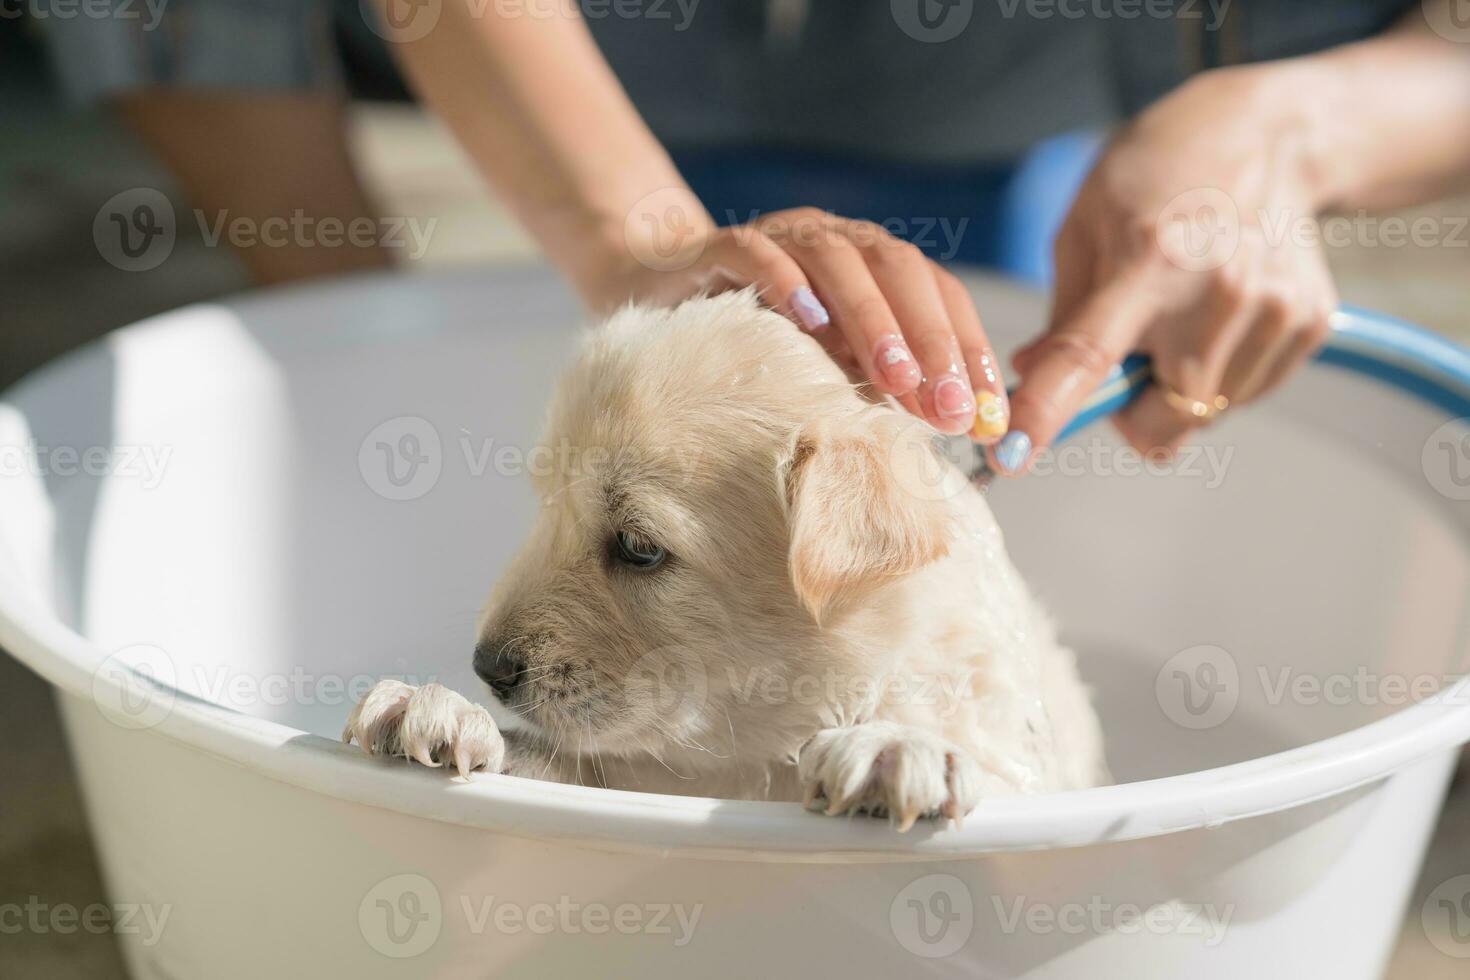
(577, 165)
(882, 310)
(1191, 241)
(572, 158)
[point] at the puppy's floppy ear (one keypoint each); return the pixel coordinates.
(861, 506)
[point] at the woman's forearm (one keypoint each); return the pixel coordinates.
(1391, 116)
(531, 98)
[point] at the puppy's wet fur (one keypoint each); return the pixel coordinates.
(749, 581)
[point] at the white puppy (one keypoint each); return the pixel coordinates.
(747, 581)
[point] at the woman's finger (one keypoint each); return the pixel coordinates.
(907, 281)
(1157, 422)
(745, 256)
(992, 406)
(860, 312)
(1067, 364)
(1309, 337)
(1313, 325)
(1269, 340)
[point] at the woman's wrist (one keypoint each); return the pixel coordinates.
(1264, 104)
(606, 251)
(1306, 129)
(1315, 97)
(1369, 145)
(1340, 138)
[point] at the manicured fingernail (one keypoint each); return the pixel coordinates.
(1011, 452)
(953, 398)
(809, 310)
(992, 416)
(987, 364)
(892, 358)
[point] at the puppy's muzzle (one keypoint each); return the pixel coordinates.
(499, 667)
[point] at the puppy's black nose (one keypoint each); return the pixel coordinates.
(499, 667)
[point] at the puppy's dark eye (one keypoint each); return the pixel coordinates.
(639, 553)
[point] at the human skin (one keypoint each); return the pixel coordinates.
(1265, 149)
(213, 141)
(1378, 123)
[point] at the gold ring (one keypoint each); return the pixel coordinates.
(1193, 407)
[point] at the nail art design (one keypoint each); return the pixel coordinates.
(987, 364)
(809, 310)
(1011, 452)
(992, 416)
(952, 398)
(893, 360)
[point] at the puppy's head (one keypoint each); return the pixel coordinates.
(722, 502)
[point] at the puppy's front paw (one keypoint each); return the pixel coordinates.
(429, 724)
(881, 767)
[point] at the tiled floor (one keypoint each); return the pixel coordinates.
(56, 292)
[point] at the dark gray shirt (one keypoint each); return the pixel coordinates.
(923, 81)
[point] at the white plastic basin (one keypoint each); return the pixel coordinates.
(1263, 630)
